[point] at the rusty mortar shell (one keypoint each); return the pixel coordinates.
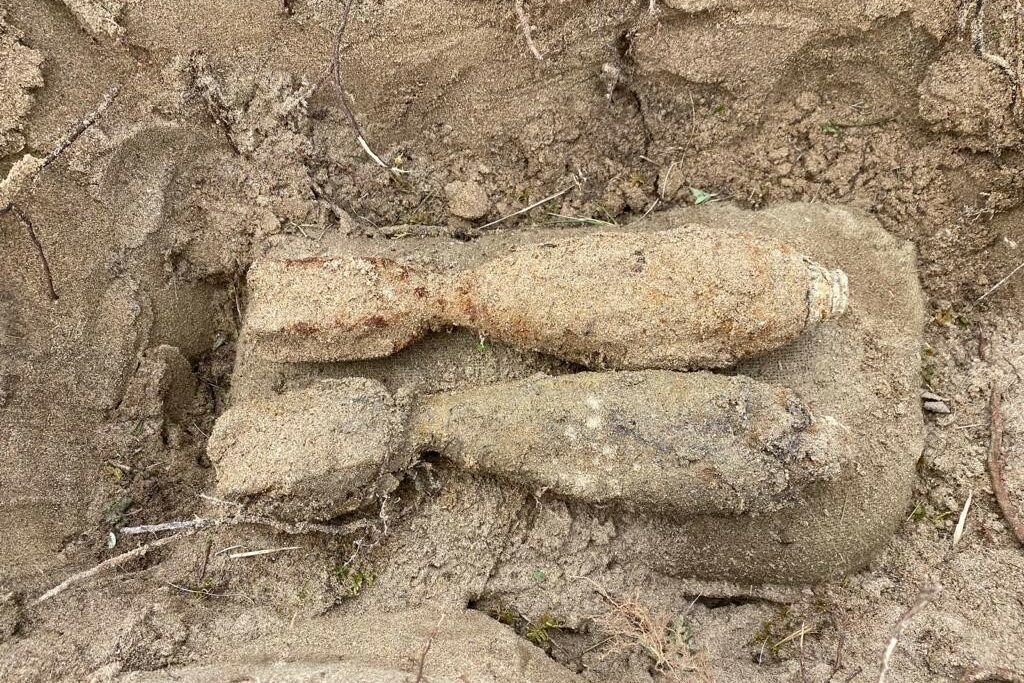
(682, 299)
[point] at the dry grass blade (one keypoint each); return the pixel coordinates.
(922, 601)
(962, 522)
(582, 220)
(997, 466)
(632, 624)
(525, 209)
(1001, 282)
(265, 551)
(210, 594)
(804, 630)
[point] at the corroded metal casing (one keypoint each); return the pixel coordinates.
(669, 443)
(679, 299)
(859, 376)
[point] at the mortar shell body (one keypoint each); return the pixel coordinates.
(687, 298)
(684, 299)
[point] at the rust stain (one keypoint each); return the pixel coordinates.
(307, 262)
(302, 328)
(390, 267)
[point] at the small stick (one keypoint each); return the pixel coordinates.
(28, 167)
(266, 551)
(83, 125)
(426, 650)
(210, 594)
(166, 526)
(47, 274)
(853, 675)
(837, 661)
(1000, 283)
(525, 209)
(345, 106)
(997, 465)
(978, 40)
(996, 675)
(524, 24)
(336, 67)
(111, 563)
(245, 518)
(206, 559)
(922, 601)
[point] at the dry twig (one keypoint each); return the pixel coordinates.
(111, 563)
(922, 601)
(837, 661)
(997, 466)
(197, 523)
(85, 124)
(47, 273)
(525, 209)
(977, 8)
(25, 170)
(1000, 283)
(343, 94)
(995, 675)
(524, 25)
(243, 518)
(426, 650)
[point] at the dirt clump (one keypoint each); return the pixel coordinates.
(20, 74)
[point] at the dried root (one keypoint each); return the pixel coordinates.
(922, 601)
(972, 18)
(524, 26)
(997, 467)
(632, 625)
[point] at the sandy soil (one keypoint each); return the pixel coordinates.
(122, 291)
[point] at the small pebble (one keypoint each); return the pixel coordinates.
(807, 101)
(936, 407)
(467, 199)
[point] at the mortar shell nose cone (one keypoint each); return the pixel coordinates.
(840, 293)
(829, 293)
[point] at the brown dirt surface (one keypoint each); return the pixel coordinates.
(229, 141)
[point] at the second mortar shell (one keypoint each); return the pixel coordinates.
(675, 444)
(679, 299)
